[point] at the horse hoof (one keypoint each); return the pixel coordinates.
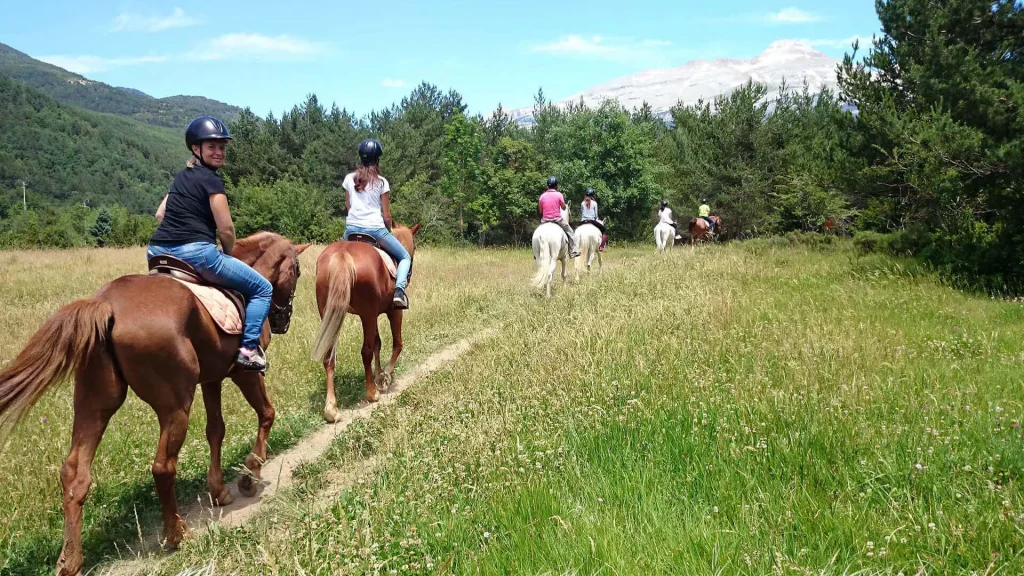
(331, 415)
(224, 499)
(172, 538)
(384, 381)
(247, 486)
(371, 398)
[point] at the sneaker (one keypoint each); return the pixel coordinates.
(400, 301)
(252, 360)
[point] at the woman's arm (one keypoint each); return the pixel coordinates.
(162, 209)
(385, 207)
(225, 227)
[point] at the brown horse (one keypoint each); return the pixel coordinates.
(150, 334)
(699, 229)
(351, 277)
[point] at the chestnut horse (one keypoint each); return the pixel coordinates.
(150, 334)
(352, 277)
(700, 230)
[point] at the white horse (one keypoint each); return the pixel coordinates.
(588, 242)
(664, 236)
(549, 247)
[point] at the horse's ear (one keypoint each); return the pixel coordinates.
(301, 248)
(415, 228)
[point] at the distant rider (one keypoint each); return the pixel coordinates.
(705, 212)
(588, 215)
(551, 205)
(665, 217)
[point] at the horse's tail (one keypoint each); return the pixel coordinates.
(341, 277)
(63, 342)
(546, 261)
(587, 244)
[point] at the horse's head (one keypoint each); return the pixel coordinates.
(275, 258)
(407, 236)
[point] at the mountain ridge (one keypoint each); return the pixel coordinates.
(662, 88)
(77, 90)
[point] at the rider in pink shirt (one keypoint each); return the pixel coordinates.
(551, 204)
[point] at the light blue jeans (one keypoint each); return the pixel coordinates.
(392, 246)
(218, 268)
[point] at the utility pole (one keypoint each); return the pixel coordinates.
(24, 201)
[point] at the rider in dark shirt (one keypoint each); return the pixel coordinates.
(193, 214)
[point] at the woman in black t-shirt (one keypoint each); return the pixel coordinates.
(193, 214)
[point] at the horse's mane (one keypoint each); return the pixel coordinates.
(255, 246)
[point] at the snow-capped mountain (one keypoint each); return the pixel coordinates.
(664, 88)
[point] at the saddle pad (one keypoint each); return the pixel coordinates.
(225, 311)
(389, 263)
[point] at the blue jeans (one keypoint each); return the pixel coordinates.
(218, 268)
(392, 246)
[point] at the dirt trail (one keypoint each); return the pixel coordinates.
(277, 472)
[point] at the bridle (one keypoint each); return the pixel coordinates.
(280, 317)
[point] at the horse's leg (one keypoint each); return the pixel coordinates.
(369, 336)
(173, 427)
(376, 361)
(219, 493)
(254, 388)
(99, 392)
(395, 320)
(331, 403)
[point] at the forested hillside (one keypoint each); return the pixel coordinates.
(74, 161)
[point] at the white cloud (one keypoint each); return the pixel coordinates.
(838, 43)
(599, 48)
(226, 47)
(791, 15)
(258, 46)
(393, 83)
(152, 23)
(93, 64)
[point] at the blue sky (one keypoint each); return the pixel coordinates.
(366, 55)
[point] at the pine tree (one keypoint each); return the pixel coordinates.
(102, 228)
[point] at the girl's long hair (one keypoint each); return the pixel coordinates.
(366, 175)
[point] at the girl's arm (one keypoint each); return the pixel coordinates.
(162, 209)
(225, 226)
(385, 206)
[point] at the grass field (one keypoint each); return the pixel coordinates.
(733, 410)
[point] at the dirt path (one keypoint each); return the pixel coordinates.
(277, 472)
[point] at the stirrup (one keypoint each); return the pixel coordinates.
(253, 364)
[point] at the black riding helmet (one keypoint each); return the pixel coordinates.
(664, 203)
(553, 182)
(370, 151)
(202, 129)
(590, 193)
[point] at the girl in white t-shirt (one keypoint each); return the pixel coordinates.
(665, 216)
(367, 196)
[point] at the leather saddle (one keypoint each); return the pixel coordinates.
(390, 262)
(206, 292)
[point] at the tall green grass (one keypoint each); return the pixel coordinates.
(729, 410)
